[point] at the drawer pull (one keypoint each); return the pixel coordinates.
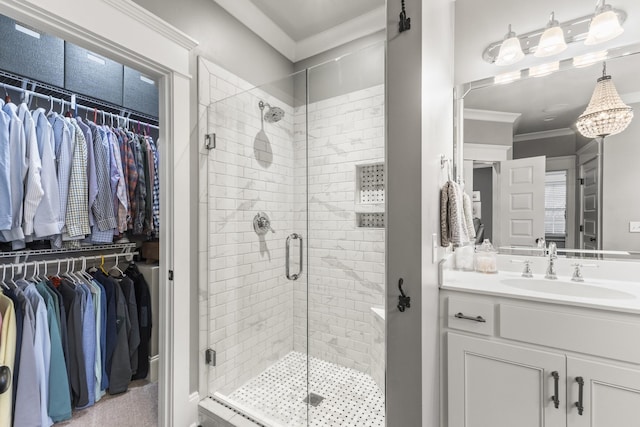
(580, 382)
(556, 380)
(475, 319)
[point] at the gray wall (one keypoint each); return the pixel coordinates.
(227, 42)
(551, 147)
(621, 180)
(486, 132)
(483, 182)
(358, 68)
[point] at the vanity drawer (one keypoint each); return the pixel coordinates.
(470, 315)
(596, 336)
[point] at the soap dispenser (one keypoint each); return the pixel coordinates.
(486, 259)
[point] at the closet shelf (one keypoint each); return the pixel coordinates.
(124, 248)
(48, 90)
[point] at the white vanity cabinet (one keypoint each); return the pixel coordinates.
(510, 362)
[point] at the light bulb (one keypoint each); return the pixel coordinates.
(552, 40)
(604, 26)
(510, 50)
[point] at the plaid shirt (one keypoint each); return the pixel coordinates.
(77, 216)
(156, 189)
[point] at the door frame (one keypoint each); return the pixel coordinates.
(590, 151)
(154, 47)
(567, 163)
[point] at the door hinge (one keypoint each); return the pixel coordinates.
(581, 181)
(210, 141)
(210, 357)
(581, 228)
(170, 274)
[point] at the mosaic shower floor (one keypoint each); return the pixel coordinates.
(350, 398)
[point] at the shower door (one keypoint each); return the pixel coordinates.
(295, 217)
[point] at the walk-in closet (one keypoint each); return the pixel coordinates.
(80, 221)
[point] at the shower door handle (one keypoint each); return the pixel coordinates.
(290, 237)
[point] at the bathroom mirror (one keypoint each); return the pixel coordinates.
(584, 193)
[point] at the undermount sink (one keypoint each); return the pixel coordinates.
(560, 287)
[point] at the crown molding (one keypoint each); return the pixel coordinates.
(490, 116)
(150, 20)
(356, 28)
(543, 135)
(254, 19)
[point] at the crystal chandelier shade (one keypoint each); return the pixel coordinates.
(606, 113)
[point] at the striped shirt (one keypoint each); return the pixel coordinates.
(103, 207)
(33, 185)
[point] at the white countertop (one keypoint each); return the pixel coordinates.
(624, 296)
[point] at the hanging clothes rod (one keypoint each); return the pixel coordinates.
(70, 263)
(31, 93)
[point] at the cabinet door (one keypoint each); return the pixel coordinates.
(501, 385)
(610, 398)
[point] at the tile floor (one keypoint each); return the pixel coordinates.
(350, 398)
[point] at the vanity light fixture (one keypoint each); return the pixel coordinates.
(554, 38)
(604, 26)
(544, 69)
(510, 49)
(606, 113)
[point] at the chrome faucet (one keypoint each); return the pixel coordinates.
(552, 251)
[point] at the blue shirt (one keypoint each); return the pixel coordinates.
(59, 405)
(41, 346)
(18, 171)
(88, 340)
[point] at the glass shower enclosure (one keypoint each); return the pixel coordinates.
(296, 245)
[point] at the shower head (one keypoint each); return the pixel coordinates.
(273, 114)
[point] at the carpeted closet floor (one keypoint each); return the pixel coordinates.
(137, 407)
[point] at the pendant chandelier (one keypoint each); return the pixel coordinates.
(606, 113)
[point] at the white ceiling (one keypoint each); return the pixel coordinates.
(299, 29)
(563, 95)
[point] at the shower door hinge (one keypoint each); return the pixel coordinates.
(581, 181)
(210, 141)
(170, 274)
(210, 357)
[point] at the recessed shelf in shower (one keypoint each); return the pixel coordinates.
(370, 195)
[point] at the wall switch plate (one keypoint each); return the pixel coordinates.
(634, 227)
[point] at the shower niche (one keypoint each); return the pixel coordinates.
(370, 195)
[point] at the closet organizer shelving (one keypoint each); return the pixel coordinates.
(137, 183)
(125, 357)
(99, 330)
(50, 94)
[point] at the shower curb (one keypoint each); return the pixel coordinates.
(229, 423)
